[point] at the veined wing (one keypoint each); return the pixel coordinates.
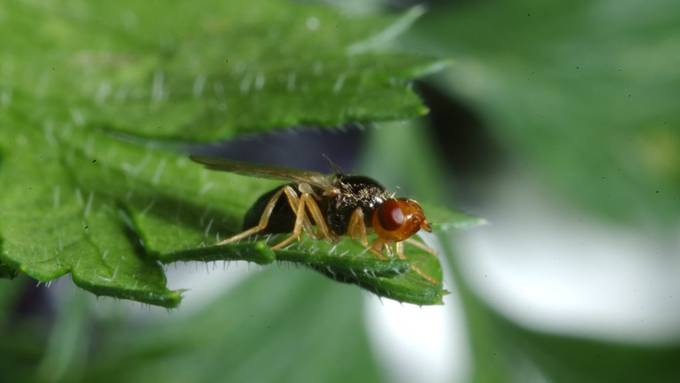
(324, 181)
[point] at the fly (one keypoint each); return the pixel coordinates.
(328, 206)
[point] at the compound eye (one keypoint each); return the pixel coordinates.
(390, 215)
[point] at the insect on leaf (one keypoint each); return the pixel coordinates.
(186, 220)
(109, 211)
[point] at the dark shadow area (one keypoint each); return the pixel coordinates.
(33, 301)
(467, 149)
(298, 148)
(459, 134)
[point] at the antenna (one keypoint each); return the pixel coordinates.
(335, 167)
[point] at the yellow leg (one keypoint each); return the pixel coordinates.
(377, 248)
(400, 250)
(421, 246)
(297, 228)
(264, 221)
(357, 228)
(266, 214)
(317, 216)
(293, 201)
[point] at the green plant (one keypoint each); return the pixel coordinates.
(97, 98)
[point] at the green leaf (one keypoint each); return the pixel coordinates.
(583, 92)
(108, 208)
(421, 284)
(345, 255)
(50, 226)
(206, 70)
(445, 219)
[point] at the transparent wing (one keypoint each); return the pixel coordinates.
(324, 181)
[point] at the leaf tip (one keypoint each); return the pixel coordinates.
(174, 298)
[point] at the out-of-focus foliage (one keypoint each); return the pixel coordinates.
(68, 343)
(23, 340)
(505, 351)
(502, 350)
(586, 92)
(307, 331)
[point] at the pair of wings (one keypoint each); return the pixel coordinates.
(320, 180)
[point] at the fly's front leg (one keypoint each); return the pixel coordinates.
(400, 254)
(399, 247)
(357, 228)
(421, 246)
(376, 248)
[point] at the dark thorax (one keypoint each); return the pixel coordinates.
(354, 192)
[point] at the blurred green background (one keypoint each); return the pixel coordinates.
(557, 121)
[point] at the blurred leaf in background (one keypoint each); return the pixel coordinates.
(502, 349)
(583, 92)
(22, 333)
(283, 327)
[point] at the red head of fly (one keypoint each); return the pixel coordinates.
(397, 219)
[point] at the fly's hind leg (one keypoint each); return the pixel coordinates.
(293, 201)
(317, 216)
(300, 216)
(306, 203)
